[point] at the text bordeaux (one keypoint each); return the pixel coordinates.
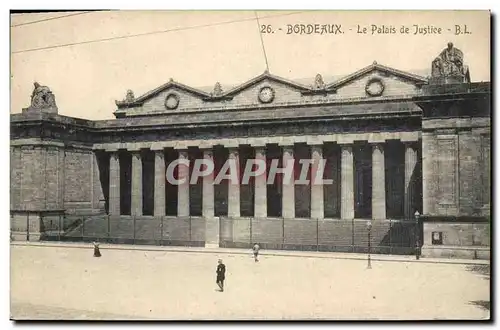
(314, 29)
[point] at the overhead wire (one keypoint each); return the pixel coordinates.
(262, 41)
(151, 33)
(51, 19)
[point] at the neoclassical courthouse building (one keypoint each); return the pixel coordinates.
(408, 156)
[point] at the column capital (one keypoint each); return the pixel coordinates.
(286, 141)
(378, 145)
(205, 146)
(208, 152)
(314, 141)
(260, 149)
(257, 142)
(182, 145)
(157, 146)
(233, 150)
(317, 147)
(409, 136)
(230, 143)
(258, 145)
(346, 146)
(410, 144)
(378, 137)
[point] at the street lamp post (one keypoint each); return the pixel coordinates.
(369, 226)
(417, 235)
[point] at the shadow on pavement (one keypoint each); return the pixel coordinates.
(482, 304)
(484, 271)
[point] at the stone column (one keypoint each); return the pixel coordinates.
(347, 183)
(429, 160)
(160, 178)
(183, 188)
(233, 198)
(98, 201)
(61, 186)
(288, 191)
(260, 206)
(212, 225)
(208, 187)
(136, 185)
(410, 163)
(378, 182)
(114, 183)
(317, 169)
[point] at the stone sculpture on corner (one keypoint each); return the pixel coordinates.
(449, 67)
(42, 100)
(130, 96)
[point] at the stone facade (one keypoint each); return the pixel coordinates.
(394, 143)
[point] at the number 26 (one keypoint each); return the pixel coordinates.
(266, 29)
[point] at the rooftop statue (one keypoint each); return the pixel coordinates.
(130, 96)
(217, 90)
(318, 82)
(450, 62)
(42, 97)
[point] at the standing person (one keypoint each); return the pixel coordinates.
(256, 249)
(97, 252)
(221, 275)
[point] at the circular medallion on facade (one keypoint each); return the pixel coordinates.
(374, 87)
(266, 94)
(172, 101)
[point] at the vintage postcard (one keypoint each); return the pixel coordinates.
(250, 165)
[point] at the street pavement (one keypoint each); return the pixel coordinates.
(70, 284)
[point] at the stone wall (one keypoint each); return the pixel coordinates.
(456, 165)
(48, 180)
(456, 180)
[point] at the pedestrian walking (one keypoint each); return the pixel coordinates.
(256, 249)
(221, 275)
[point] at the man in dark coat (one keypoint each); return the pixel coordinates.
(221, 275)
(256, 249)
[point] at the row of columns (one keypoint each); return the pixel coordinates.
(260, 200)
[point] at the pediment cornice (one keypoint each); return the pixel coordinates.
(322, 89)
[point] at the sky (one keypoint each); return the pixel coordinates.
(205, 47)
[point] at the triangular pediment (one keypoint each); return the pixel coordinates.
(269, 78)
(158, 93)
(377, 80)
(373, 81)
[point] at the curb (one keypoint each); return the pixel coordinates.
(276, 253)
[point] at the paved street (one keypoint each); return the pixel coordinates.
(68, 283)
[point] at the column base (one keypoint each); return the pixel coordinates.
(18, 236)
(34, 237)
(212, 232)
(211, 245)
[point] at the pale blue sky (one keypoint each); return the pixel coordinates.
(87, 78)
